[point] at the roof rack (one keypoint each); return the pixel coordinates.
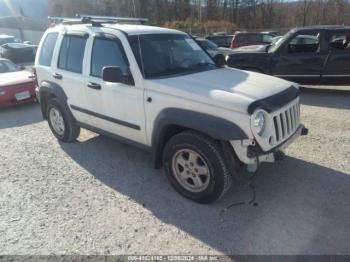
(96, 20)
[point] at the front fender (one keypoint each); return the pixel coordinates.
(47, 90)
(174, 118)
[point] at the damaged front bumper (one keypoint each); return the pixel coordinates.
(250, 154)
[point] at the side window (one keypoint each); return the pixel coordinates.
(305, 43)
(107, 52)
(72, 53)
(47, 49)
(339, 41)
(240, 38)
(254, 38)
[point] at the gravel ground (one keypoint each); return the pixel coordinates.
(98, 196)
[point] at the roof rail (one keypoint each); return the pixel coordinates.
(96, 20)
(64, 20)
(112, 19)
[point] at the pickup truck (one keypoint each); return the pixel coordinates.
(305, 55)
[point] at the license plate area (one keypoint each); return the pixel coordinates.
(22, 95)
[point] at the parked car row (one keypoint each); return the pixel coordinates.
(18, 52)
(17, 85)
(304, 55)
(240, 39)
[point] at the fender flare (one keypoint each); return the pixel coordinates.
(51, 89)
(215, 127)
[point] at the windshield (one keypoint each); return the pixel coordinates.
(166, 55)
(7, 67)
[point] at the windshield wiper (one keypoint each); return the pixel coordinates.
(199, 65)
(181, 70)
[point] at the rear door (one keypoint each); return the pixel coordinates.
(338, 64)
(301, 61)
(69, 71)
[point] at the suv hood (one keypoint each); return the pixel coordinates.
(230, 88)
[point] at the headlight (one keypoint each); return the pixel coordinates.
(259, 122)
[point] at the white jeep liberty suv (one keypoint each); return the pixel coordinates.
(157, 88)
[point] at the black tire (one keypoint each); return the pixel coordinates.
(220, 178)
(71, 129)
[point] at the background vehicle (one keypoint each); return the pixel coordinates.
(271, 33)
(297, 41)
(246, 39)
(221, 40)
(306, 55)
(217, 53)
(5, 39)
(157, 88)
(17, 86)
(18, 52)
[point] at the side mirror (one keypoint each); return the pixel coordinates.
(112, 74)
(220, 60)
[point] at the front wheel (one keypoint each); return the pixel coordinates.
(196, 167)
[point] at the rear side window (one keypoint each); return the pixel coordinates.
(72, 53)
(107, 52)
(47, 49)
(240, 38)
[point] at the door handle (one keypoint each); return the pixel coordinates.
(57, 76)
(94, 86)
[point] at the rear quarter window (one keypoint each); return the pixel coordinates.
(45, 57)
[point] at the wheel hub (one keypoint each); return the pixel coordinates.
(191, 170)
(57, 121)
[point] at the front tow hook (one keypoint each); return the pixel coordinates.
(304, 131)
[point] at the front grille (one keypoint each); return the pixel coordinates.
(287, 121)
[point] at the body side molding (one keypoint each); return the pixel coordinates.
(106, 118)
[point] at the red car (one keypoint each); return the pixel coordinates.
(17, 85)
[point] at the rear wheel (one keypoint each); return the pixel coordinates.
(61, 123)
(196, 167)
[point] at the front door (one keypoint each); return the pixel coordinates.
(301, 58)
(337, 69)
(116, 108)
